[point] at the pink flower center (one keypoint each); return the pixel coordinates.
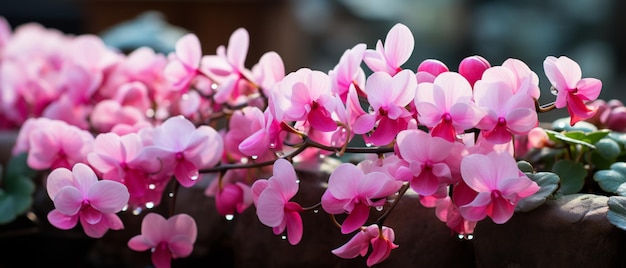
(495, 194)
(446, 118)
(501, 121)
(180, 156)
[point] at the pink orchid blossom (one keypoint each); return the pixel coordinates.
(398, 48)
(182, 149)
(184, 67)
(448, 212)
(252, 133)
(506, 113)
(348, 71)
(380, 238)
(472, 68)
(427, 169)
(305, 95)
(499, 185)
(573, 91)
(517, 75)
(429, 69)
(117, 158)
(54, 144)
(109, 113)
(268, 71)
(227, 68)
(233, 198)
(446, 106)
(353, 192)
(167, 239)
(271, 198)
(79, 195)
(387, 97)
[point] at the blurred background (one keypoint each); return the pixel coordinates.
(314, 34)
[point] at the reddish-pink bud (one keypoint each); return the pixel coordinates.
(473, 67)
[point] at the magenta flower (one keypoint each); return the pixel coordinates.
(79, 195)
(117, 158)
(446, 105)
(353, 192)
(184, 67)
(305, 95)
(517, 75)
(268, 71)
(427, 169)
(429, 69)
(572, 91)
(168, 239)
(472, 68)
(388, 96)
(233, 198)
(398, 48)
(499, 184)
(273, 207)
(506, 113)
(381, 240)
(182, 149)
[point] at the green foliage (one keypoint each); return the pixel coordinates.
(617, 211)
(548, 182)
(610, 180)
(572, 175)
(16, 189)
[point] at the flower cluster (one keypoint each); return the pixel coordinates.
(141, 121)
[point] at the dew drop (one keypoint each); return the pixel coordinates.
(229, 217)
(214, 86)
(379, 208)
(368, 144)
(316, 210)
(322, 156)
(283, 237)
(137, 211)
(194, 176)
(469, 237)
(151, 186)
(554, 91)
(297, 180)
(125, 208)
(272, 145)
(244, 160)
(170, 194)
(460, 236)
(254, 157)
(149, 205)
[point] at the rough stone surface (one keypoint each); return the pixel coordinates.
(569, 232)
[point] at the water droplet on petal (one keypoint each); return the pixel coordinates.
(469, 237)
(170, 194)
(254, 157)
(151, 186)
(149, 205)
(283, 237)
(316, 210)
(297, 181)
(368, 144)
(379, 208)
(272, 145)
(322, 156)
(125, 208)
(554, 91)
(229, 217)
(460, 236)
(137, 211)
(244, 160)
(194, 176)
(214, 86)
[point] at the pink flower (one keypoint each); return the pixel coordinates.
(54, 144)
(252, 133)
(381, 239)
(398, 48)
(182, 149)
(517, 75)
(472, 68)
(429, 69)
(268, 71)
(305, 95)
(273, 207)
(572, 91)
(227, 68)
(117, 158)
(348, 71)
(79, 195)
(184, 67)
(168, 239)
(353, 192)
(506, 113)
(233, 197)
(499, 184)
(427, 169)
(388, 96)
(446, 105)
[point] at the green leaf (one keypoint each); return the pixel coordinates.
(548, 182)
(18, 166)
(7, 209)
(572, 175)
(16, 196)
(608, 148)
(525, 166)
(571, 139)
(609, 180)
(617, 211)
